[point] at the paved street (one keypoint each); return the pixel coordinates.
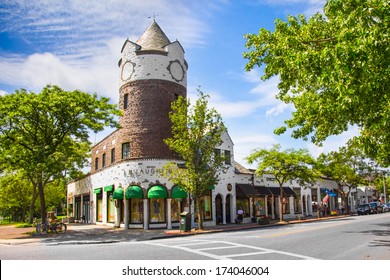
(348, 238)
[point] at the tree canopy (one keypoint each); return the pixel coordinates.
(46, 134)
(196, 133)
(334, 68)
(285, 166)
(348, 167)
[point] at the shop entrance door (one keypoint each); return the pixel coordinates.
(86, 212)
(218, 210)
(228, 213)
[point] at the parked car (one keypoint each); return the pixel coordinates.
(386, 207)
(376, 207)
(364, 209)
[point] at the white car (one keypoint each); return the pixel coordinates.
(386, 207)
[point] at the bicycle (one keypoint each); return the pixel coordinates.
(45, 227)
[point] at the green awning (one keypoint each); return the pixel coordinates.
(134, 192)
(118, 193)
(97, 190)
(108, 188)
(157, 192)
(178, 192)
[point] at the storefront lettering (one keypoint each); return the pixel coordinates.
(270, 179)
(141, 171)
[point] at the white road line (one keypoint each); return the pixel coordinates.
(212, 256)
(246, 254)
(195, 243)
(276, 251)
(219, 248)
(230, 245)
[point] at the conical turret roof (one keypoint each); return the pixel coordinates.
(153, 38)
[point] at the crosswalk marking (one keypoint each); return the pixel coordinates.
(221, 246)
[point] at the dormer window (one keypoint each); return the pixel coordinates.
(228, 159)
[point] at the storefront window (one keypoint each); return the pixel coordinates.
(259, 206)
(136, 211)
(157, 210)
(77, 214)
(297, 204)
(177, 207)
(314, 199)
(99, 207)
(243, 203)
(205, 203)
(286, 205)
(110, 208)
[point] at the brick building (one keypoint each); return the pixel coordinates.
(124, 188)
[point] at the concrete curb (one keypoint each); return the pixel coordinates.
(163, 235)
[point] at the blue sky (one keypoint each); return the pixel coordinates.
(76, 45)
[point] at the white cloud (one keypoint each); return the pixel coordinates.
(2, 92)
(310, 6)
(245, 142)
(279, 109)
(85, 25)
(333, 143)
(77, 44)
(40, 69)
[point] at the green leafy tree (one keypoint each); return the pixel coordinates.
(16, 196)
(55, 194)
(348, 167)
(46, 134)
(285, 166)
(196, 132)
(334, 68)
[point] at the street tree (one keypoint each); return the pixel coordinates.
(334, 68)
(46, 134)
(16, 196)
(196, 133)
(348, 167)
(285, 166)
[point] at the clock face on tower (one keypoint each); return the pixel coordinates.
(176, 70)
(127, 70)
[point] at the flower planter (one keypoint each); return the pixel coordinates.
(263, 221)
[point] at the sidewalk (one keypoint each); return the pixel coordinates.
(95, 234)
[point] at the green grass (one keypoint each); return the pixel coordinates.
(16, 224)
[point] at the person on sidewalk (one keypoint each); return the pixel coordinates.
(240, 216)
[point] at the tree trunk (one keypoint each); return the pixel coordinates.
(42, 199)
(200, 213)
(346, 204)
(32, 206)
(281, 205)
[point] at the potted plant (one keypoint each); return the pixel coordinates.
(263, 220)
(333, 213)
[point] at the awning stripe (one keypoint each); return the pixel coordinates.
(178, 192)
(134, 192)
(286, 191)
(246, 191)
(118, 193)
(97, 191)
(157, 192)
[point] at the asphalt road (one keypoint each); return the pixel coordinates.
(350, 238)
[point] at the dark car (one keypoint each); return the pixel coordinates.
(364, 209)
(376, 207)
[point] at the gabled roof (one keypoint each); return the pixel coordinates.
(153, 38)
(238, 168)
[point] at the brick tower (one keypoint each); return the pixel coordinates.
(153, 73)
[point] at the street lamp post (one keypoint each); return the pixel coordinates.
(384, 187)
